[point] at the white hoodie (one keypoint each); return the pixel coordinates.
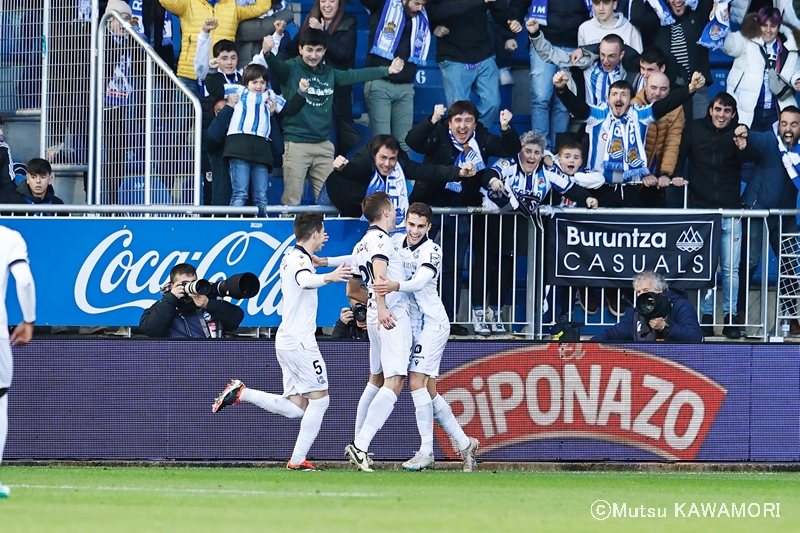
(592, 32)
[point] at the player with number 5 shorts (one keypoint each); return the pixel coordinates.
(305, 378)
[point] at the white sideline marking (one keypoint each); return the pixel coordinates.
(205, 491)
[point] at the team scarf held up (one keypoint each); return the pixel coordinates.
(625, 150)
(539, 10)
(394, 185)
(390, 28)
(523, 191)
(790, 158)
(600, 83)
(473, 155)
(715, 31)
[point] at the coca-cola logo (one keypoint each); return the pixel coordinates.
(119, 273)
(582, 391)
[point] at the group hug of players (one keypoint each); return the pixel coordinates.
(395, 274)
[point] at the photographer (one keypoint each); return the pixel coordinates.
(352, 323)
(180, 315)
(660, 314)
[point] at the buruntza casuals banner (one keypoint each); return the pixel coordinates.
(599, 250)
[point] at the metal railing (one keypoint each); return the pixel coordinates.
(21, 51)
(148, 124)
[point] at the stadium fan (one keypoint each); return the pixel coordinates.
(13, 259)
(430, 329)
(330, 16)
(388, 326)
(309, 151)
(37, 189)
(380, 165)
(606, 21)
(465, 51)
(305, 377)
(192, 14)
(397, 28)
(458, 141)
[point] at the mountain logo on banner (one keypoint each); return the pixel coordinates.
(689, 241)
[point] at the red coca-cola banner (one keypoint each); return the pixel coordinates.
(591, 391)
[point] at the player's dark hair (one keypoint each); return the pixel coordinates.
(570, 144)
(373, 206)
(253, 72)
(224, 45)
(613, 38)
(724, 99)
(653, 54)
(39, 167)
(312, 37)
(305, 224)
(421, 210)
(621, 84)
(181, 268)
(791, 109)
(384, 140)
(462, 106)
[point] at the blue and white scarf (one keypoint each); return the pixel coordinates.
(790, 158)
(390, 28)
(395, 186)
(663, 12)
(600, 83)
(719, 27)
(466, 156)
(539, 8)
(625, 150)
(272, 11)
(84, 11)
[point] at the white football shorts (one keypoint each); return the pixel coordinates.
(303, 369)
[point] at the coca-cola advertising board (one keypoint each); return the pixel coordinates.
(107, 271)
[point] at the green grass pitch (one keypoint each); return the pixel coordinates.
(197, 500)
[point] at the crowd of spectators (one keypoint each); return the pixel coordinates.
(277, 101)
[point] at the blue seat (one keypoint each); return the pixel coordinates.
(720, 83)
(131, 191)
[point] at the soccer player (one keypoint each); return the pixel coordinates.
(431, 329)
(388, 325)
(14, 259)
(305, 377)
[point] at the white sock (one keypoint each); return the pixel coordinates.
(3, 423)
(272, 403)
(309, 428)
(424, 413)
(379, 411)
(444, 416)
(363, 405)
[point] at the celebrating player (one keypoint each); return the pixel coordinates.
(431, 329)
(388, 325)
(305, 378)
(14, 259)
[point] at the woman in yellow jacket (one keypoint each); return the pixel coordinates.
(192, 13)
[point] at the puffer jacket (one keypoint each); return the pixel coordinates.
(663, 138)
(193, 13)
(739, 9)
(747, 73)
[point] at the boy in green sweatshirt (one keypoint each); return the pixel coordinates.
(308, 149)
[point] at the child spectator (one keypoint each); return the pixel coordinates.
(224, 60)
(605, 21)
(308, 149)
(248, 145)
(37, 189)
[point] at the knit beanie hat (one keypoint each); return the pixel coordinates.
(120, 6)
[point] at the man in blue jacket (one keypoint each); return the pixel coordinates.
(680, 324)
(773, 185)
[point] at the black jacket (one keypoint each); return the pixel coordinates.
(341, 50)
(168, 317)
(563, 20)
(433, 141)
(715, 165)
(403, 50)
(692, 22)
(348, 331)
(23, 195)
(468, 40)
(348, 187)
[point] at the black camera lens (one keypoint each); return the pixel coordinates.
(646, 304)
(360, 313)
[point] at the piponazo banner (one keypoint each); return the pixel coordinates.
(599, 250)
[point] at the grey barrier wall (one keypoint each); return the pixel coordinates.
(151, 400)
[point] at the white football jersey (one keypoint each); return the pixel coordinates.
(426, 308)
(376, 244)
(12, 250)
(299, 315)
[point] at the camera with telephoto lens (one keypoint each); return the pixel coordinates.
(652, 305)
(198, 287)
(238, 287)
(360, 312)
